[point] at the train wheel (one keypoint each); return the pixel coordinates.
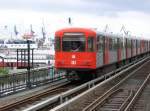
(85, 75)
(72, 76)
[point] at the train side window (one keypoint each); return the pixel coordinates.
(57, 44)
(134, 43)
(90, 44)
(129, 43)
(139, 44)
(110, 44)
(102, 38)
(121, 43)
(124, 43)
(115, 43)
(100, 43)
(118, 43)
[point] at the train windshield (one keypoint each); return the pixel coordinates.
(73, 43)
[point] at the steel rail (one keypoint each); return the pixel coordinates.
(123, 70)
(137, 93)
(126, 102)
(101, 100)
(106, 95)
(34, 97)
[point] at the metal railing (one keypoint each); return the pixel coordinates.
(16, 82)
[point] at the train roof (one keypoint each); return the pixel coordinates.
(109, 34)
(75, 29)
(90, 30)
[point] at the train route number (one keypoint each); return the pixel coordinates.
(73, 62)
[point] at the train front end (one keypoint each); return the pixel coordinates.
(75, 51)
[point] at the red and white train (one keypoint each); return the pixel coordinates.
(83, 52)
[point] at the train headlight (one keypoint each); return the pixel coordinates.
(86, 62)
(60, 62)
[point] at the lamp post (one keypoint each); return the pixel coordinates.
(28, 67)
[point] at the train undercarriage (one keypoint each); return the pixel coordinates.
(89, 74)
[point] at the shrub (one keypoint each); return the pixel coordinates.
(4, 71)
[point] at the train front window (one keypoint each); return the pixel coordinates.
(73, 43)
(57, 44)
(90, 44)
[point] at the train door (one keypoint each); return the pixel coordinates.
(132, 46)
(100, 50)
(58, 54)
(145, 46)
(127, 53)
(141, 46)
(123, 48)
(148, 46)
(112, 50)
(126, 48)
(136, 47)
(106, 51)
(119, 49)
(129, 47)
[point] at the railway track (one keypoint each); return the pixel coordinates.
(25, 102)
(63, 97)
(113, 94)
(120, 91)
(115, 101)
(120, 95)
(141, 99)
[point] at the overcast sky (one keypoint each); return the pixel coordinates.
(133, 14)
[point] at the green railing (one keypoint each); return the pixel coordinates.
(15, 82)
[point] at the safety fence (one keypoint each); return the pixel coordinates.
(16, 82)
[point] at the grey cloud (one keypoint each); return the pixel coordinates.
(99, 7)
(52, 6)
(125, 5)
